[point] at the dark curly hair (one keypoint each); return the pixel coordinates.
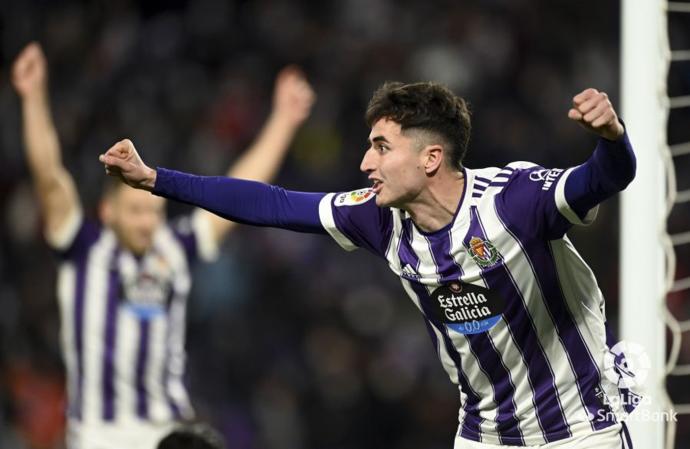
(425, 106)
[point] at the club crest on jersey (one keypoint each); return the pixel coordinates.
(483, 252)
(354, 198)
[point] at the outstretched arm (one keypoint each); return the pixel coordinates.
(239, 200)
(292, 101)
(55, 187)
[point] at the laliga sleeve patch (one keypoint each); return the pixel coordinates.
(353, 198)
(467, 308)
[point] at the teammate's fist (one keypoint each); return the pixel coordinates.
(593, 110)
(292, 96)
(122, 161)
(29, 73)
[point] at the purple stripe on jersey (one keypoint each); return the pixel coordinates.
(483, 349)
(540, 375)
(480, 187)
(142, 359)
(482, 179)
(471, 425)
(81, 267)
(110, 339)
(446, 267)
(588, 378)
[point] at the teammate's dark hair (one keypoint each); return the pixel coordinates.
(192, 436)
(428, 107)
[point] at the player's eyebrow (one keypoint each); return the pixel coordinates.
(377, 139)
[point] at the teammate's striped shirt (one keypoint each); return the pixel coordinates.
(123, 320)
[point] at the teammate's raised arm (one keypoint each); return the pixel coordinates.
(292, 101)
(54, 185)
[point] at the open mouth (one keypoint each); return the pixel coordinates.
(376, 187)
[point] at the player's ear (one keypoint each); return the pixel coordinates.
(432, 158)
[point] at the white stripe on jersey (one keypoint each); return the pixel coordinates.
(174, 331)
(328, 223)
(95, 300)
(126, 349)
(207, 243)
(176, 359)
(159, 409)
(564, 207)
(67, 281)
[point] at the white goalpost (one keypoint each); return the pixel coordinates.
(647, 267)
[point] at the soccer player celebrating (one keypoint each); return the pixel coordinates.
(513, 312)
(123, 283)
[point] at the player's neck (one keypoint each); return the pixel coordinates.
(435, 208)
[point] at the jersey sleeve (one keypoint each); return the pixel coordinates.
(548, 201)
(74, 237)
(534, 201)
(194, 232)
(355, 221)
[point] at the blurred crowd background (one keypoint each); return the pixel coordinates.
(292, 342)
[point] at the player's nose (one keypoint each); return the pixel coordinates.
(367, 164)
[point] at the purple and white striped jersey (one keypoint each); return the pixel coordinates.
(515, 314)
(123, 320)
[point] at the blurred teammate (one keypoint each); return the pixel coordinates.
(123, 282)
(514, 313)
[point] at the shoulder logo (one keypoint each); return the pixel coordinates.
(354, 198)
(546, 176)
(483, 252)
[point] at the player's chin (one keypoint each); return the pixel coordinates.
(140, 245)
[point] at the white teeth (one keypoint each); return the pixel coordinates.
(376, 187)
